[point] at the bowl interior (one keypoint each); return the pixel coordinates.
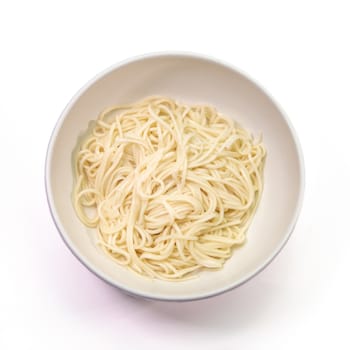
(192, 80)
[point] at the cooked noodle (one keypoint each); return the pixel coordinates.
(171, 188)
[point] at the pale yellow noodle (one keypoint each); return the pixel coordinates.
(170, 188)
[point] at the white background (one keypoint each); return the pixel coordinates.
(298, 50)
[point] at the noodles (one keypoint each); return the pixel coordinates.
(170, 188)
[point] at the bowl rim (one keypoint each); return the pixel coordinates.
(98, 272)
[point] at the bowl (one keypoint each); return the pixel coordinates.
(189, 78)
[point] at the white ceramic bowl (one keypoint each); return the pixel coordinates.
(191, 79)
